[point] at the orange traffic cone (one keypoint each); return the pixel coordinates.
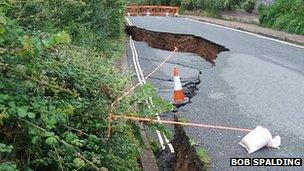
(179, 98)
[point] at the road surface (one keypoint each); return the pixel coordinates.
(258, 82)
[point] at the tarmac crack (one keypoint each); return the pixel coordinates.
(175, 63)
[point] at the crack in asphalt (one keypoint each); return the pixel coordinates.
(175, 63)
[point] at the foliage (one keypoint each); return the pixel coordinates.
(285, 15)
(211, 4)
(205, 157)
(248, 5)
(57, 83)
(229, 4)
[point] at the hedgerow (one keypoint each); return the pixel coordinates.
(58, 79)
(287, 15)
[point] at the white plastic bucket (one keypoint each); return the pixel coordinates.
(256, 139)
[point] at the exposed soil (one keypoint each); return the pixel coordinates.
(184, 42)
(185, 157)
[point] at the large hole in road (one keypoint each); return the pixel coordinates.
(185, 156)
(184, 42)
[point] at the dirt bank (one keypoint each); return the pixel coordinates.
(186, 156)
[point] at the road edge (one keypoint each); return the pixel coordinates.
(286, 39)
(147, 158)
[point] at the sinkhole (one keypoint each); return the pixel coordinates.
(184, 42)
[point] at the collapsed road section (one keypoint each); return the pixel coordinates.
(184, 42)
(184, 156)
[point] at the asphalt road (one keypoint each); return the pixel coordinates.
(258, 82)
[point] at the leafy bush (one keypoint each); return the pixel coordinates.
(285, 15)
(248, 5)
(57, 82)
(211, 4)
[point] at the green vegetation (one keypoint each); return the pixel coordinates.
(213, 13)
(287, 15)
(57, 82)
(211, 4)
(205, 157)
(248, 5)
(193, 142)
(154, 147)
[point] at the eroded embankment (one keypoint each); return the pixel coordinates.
(184, 42)
(185, 157)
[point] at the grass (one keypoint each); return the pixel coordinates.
(213, 13)
(205, 157)
(154, 146)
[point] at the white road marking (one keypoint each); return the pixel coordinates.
(128, 21)
(135, 65)
(142, 80)
(249, 33)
